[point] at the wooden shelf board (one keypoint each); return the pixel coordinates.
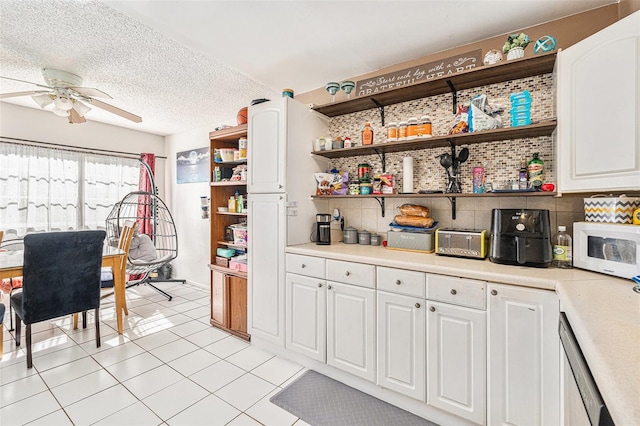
(228, 271)
(231, 213)
(231, 245)
(230, 183)
(481, 76)
(230, 133)
(443, 195)
(544, 128)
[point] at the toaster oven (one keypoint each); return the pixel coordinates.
(609, 248)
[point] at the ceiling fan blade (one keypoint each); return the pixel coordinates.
(74, 117)
(90, 92)
(25, 81)
(16, 94)
(115, 110)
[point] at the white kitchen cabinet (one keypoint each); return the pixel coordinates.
(401, 344)
(351, 322)
(268, 142)
(598, 133)
(523, 356)
(306, 316)
(279, 181)
(265, 272)
(457, 356)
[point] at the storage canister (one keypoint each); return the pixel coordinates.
(392, 132)
(424, 128)
(364, 237)
(376, 239)
(350, 235)
(412, 128)
(402, 130)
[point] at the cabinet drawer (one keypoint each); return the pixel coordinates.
(401, 281)
(457, 291)
(351, 273)
(305, 265)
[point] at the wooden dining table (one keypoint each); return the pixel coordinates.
(11, 266)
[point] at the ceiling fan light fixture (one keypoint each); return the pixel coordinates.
(81, 108)
(60, 112)
(62, 102)
(42, 99)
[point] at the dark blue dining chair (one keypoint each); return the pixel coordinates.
(61, 276)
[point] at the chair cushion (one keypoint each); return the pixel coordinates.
(142, 248)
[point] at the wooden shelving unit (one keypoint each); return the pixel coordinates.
(480, 76)
(228, 286)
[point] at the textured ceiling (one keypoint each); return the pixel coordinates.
(187, 64)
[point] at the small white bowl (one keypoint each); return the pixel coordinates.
(223, 209)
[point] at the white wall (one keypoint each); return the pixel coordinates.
(184, 203)
(183, 200)
(43, 126)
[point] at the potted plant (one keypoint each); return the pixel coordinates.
(515, 44)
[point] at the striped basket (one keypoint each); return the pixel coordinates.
(610, 209)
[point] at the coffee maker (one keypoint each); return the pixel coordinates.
(521, 237)
(323, 228)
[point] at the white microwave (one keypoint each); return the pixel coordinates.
(610, 248)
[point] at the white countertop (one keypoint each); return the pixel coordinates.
(603, 311)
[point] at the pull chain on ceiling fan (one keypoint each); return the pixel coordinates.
(64, 90)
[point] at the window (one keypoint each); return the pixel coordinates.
(50, 189)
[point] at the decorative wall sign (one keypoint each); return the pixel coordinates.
(193, 165)
(419, 73)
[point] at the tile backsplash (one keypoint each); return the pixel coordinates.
(471, 212)
(501, 161)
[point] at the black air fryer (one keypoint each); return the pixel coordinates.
(521, 237)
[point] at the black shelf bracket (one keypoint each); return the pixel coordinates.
(454, 94)
(383, 159)
(380, 201)
(380, 110)
(453, 207)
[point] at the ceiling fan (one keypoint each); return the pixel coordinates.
(64, 90)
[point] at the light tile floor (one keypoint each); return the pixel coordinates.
(169, 367)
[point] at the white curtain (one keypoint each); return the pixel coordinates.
(44, 189)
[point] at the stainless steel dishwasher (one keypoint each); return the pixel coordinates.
(583, 404)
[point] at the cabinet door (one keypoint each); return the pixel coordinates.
(219, 312)
(524, 348)
(237, 291)
(401, 336)
(598, 110)
(351, 325)
(306, 316)
(266, 148)
(267, 230)
(457, 361)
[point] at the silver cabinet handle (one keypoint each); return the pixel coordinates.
(494, 292)
(398, 282)
(319, 285)
(418, 305)
(329, 287)
(347, 273)
(453, 291)
(304, 266)
(432, 308)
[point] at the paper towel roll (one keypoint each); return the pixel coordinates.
(407, 174)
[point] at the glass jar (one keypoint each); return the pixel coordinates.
(392, 132)
(424, 128)
(412, 128)
(402, 130)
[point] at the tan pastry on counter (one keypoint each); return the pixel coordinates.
(414, 210)
(418, 221)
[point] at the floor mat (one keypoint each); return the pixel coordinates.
(322, 401)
